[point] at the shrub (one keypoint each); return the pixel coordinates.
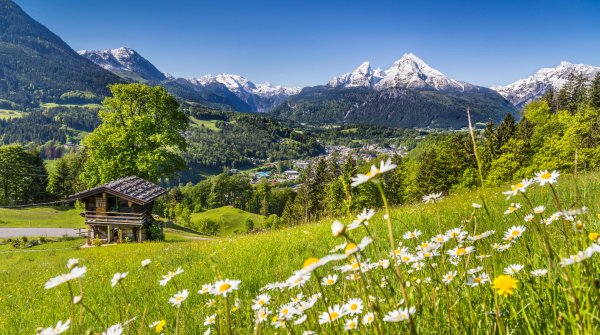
(155, 232)
(97, 242)
(207, 226)
(249, 225)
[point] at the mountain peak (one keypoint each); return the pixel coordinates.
(126, 63)
(362, 76)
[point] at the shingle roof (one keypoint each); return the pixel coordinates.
(132, 188)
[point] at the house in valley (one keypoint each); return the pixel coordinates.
(119, 210)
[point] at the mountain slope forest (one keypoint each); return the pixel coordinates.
(37, 66)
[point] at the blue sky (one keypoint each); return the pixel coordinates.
(300, 43)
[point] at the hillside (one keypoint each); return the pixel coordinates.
(230, 220)
(267, 257)
(37, 66)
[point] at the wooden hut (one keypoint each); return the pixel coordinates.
(119, 210)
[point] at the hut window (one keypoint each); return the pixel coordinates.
(113, 204)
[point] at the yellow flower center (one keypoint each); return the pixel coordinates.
(546, 175)
(516, 187)
(224, 287)
(261, 302)
(333, 315)
(350, 247)
(285, 311)
(329, 281)
(353, 307)
(179, 298)
(424, 245)
(405, 258)
(515, 233)
(309, 261)
(460, 251)
(354, 266)
(477, 280)
(594, 236)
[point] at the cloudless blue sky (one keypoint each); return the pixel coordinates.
(300, 43)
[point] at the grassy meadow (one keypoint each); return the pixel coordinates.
(41, 217)
(230, 219)
(447, 298)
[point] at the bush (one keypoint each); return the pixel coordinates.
(249, 225)
(273, 221)
(206, 226)
(97, 242)
(155, 233)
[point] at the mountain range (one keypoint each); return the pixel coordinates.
(531, 88)
(37, 66)
(224, 91)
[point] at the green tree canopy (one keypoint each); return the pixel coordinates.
(141, 134)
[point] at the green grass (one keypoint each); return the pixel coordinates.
(231, 219)
(209, 124)
(41, 217)
(50, 105)
(7, 114)
(537, 306)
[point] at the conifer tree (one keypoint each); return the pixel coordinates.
(595, 92)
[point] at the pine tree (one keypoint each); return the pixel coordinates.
(573, 93)
(595, 92)
(59, 182)
(395, 187)
(550, 98)
(505, 131)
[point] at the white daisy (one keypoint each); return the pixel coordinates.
(146, 262)
(329, 280)
(432, 198)
(224, 287)
(519, 187)
(114, 330)
(398, 315)
(337, 228)
(545, 177)
(460, 251)
(447, 278)
(539, 209)
(58, 329)
(117, 278)
(514, 233)
(354, 306)
(373, 173)
(170, 275)
(76, 272)
(513, 269)
(178, 298)
(351, 324)
(368, 318)
(261, 301)
(478, 279)
(539, 272)
(332, 314)
(210, 320)
(71, 263)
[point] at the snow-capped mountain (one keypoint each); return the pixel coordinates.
(407, 72)
(528, 89)
(408, 94)
(260, 98)
(230, 91)
(126, 63)
(362, 76)
(237, 83)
